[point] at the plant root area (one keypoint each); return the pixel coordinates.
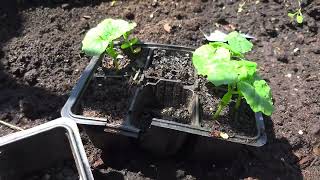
(41, 60)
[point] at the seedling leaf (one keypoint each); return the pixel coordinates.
(221, 44)
(93, 44)
(291, 15)
(205, 55)
(238, 43)
(245, 69)
(299, 19)
(224, 64)
(258, 96)
(98, 38)
(215, 63)
(137, 50)
(125, 45)
(134, 41)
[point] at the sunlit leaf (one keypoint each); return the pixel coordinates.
(238, 43)
(258, 96)
(299, 19)
(98, 38)
(291, 15)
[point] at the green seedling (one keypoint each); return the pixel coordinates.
(225, 64)
(101, 38)
(297, 14)
(128, 43)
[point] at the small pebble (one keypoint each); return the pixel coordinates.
(288, 75)
(300, 132)
(65, 6)
(316, 150)
(296, 51)
(87, 17)
(167, 28)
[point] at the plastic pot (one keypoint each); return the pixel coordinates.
(103, 134)
(40, 148)
(158, 134)
(166, 137)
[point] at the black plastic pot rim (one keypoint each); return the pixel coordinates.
(73, 135)
(259, 140)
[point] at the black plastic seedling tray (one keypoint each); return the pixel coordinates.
(41, 148)
(103, 134)
(160, 135)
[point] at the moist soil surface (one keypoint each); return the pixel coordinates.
(173, 65)
(241, 122)
(173, 102)
(108, 97)
(41, 60)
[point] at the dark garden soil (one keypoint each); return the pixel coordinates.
(173, 65)
(108, 98)
(241, 123)
(40, 62)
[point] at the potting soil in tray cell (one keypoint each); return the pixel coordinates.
(173, 65)
(241, 122)
(107, 97)
(173, 102)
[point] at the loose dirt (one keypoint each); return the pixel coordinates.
(40, 61)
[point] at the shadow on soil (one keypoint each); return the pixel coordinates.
(20, 99)
(274, 160)
(66, 4)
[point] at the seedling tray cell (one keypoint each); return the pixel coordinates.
(169, 103)
(33, 152)
(171, 64)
